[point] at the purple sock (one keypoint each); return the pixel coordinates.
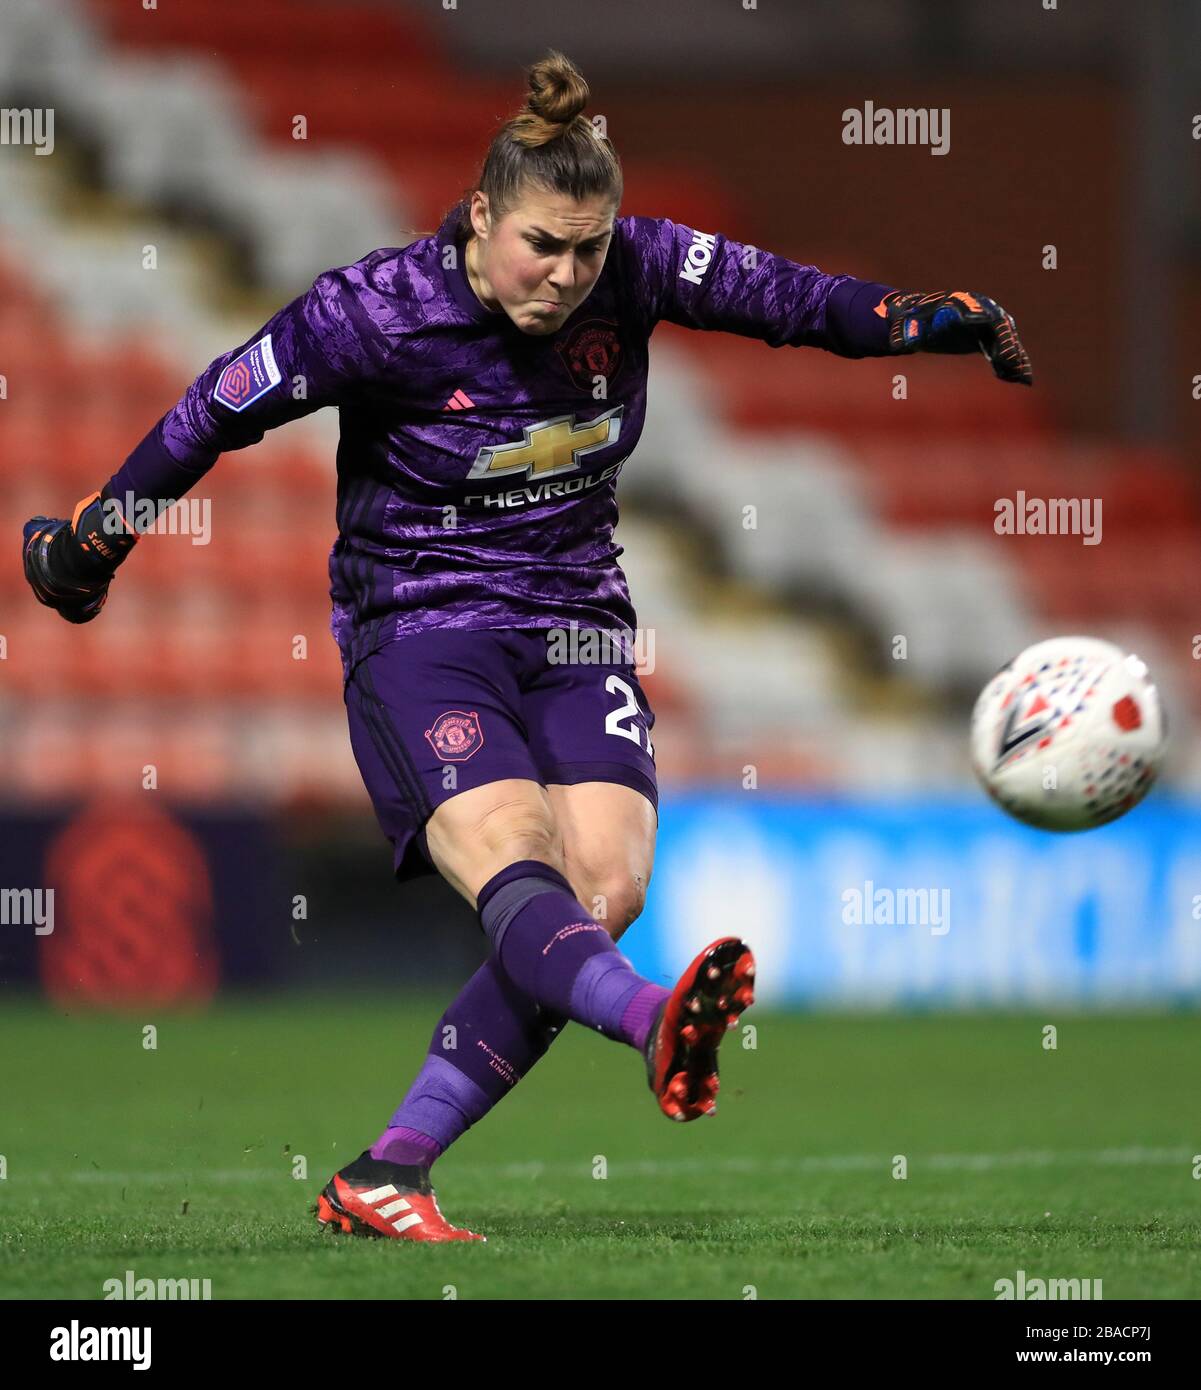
(485, 1042)
(556, 953)
(399, 1144)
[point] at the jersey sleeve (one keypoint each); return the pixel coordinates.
(316, 351)
(704, 280)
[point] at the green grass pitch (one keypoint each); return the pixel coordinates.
(178, 1162)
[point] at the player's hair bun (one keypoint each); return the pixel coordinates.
(550, 144)
(558, 92)
(558, 95)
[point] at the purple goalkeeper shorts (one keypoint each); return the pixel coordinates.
(444, 711)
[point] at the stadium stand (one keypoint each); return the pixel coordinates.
(775, 636)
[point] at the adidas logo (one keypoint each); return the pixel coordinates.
(390, 1209)
(459, 401)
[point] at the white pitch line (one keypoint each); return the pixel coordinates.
(835, 1163)
(654, 1167)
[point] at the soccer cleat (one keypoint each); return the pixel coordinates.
(370, 1197)
(681, 1048)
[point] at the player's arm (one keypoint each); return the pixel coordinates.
(705, 280)
(312, 353)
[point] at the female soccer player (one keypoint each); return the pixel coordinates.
(491, 381)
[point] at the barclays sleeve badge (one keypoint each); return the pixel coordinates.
(250, 375)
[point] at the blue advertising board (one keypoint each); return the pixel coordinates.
(945, 903)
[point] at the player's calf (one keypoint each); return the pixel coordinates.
(616, 902)
(563, 958)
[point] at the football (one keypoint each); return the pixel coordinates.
(1069, 735)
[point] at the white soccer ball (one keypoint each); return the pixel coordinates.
(1069, 735)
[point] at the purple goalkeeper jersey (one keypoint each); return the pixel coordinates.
(478, 465)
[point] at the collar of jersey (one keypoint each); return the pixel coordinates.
(456, 274)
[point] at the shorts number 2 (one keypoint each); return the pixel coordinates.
(613, 725)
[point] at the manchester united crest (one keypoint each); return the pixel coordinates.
(592, 349)
(456, 735)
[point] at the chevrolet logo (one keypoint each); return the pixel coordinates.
(549, 447)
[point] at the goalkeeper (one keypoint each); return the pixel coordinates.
(466, 368)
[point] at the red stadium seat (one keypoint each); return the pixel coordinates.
(815, 390)
(313, 31)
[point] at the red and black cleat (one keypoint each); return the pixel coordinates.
(372, 1198)
(681, 1049)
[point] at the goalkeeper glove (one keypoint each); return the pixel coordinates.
(70, 564)
(956, 322)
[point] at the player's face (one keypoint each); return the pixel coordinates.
(540, 261)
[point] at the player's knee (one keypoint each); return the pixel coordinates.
(510, 832)
(616, 901)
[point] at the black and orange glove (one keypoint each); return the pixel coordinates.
(70, 564)
(956, 321)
